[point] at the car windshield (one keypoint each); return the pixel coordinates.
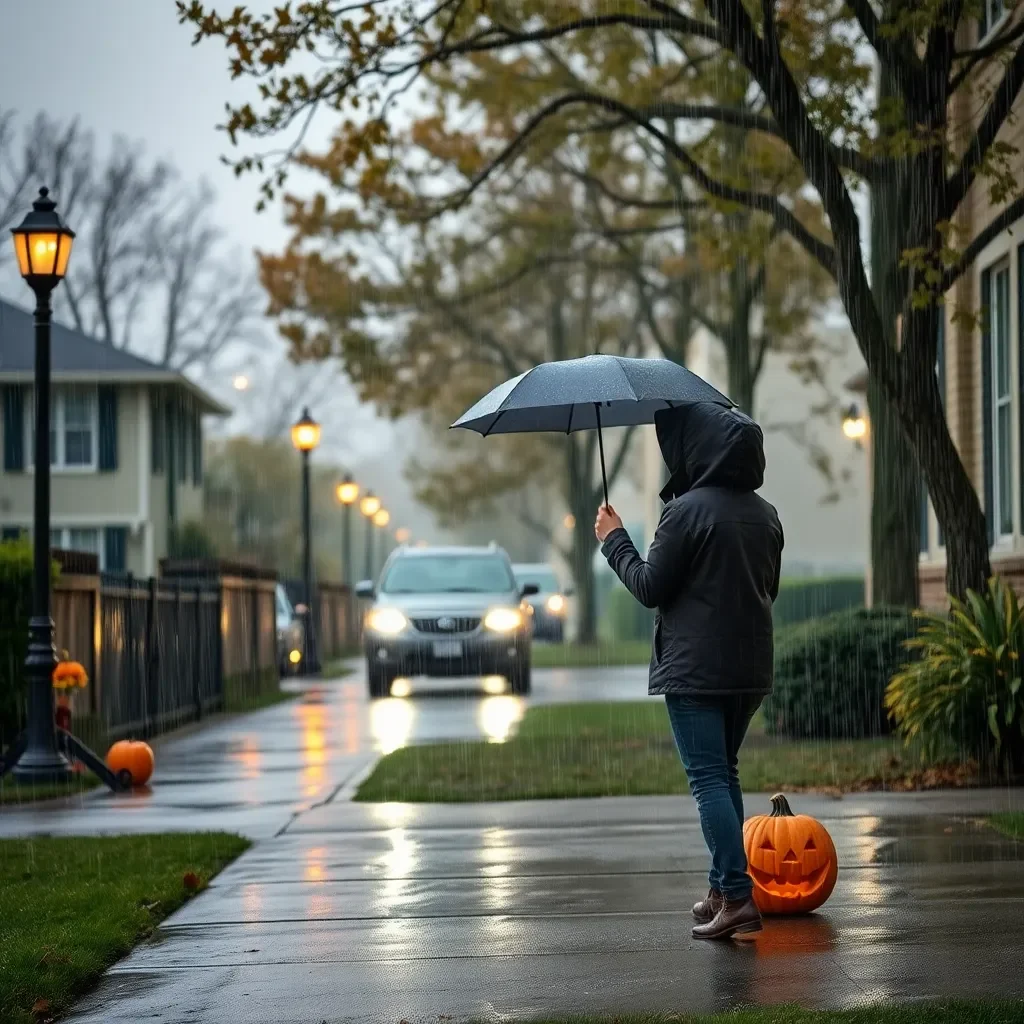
(448, 574)
(544, 580)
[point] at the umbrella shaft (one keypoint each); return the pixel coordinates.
(600, 445)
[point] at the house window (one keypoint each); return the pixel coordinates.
(74, 427)
(992, 13)
(1002, 401)
(75, 538)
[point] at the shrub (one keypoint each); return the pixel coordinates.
(966, 684)
(802, 600)
(625, 619)
(831, 674)
(190, 541)
(15, 608)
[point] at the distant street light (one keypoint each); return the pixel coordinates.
(402, 535)
(381, 518)
(347, 492)
(240, 382)
(569, 522)
(369, 506)
(305, 438)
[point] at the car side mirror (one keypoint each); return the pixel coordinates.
(365, 590)
(530, 590)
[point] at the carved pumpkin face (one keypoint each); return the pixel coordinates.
(791, 859)
(131, 760)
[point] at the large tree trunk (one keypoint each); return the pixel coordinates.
(896, 474)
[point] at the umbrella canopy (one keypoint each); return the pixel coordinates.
(587, 394)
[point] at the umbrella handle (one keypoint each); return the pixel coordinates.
(600, 445)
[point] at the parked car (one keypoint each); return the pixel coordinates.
(444, 612)
(550, 603)
(290, 635)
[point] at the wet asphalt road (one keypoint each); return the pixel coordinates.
(252, 773)
(346, 912)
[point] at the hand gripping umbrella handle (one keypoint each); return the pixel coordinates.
(600, 445)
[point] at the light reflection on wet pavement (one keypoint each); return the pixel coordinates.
(252, 773)
(388, 912)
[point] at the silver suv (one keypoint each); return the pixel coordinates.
(444, 612)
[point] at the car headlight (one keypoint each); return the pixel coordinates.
(388, 621)
(555, 604)
(503, 620)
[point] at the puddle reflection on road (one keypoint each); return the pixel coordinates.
(396, 720)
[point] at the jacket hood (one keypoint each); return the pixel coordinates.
(708, 445)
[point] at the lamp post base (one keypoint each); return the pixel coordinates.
(40, 768)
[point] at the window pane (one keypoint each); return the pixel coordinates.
(78, 428)
(77, 447)
(56, 540)
(1004, 469)
(85, 540)
(1001, 331)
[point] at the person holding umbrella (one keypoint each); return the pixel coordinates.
(712, 573)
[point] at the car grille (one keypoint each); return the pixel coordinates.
(446, 624)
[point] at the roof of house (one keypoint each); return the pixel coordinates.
(77, 357)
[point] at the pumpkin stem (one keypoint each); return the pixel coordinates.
(780, 807)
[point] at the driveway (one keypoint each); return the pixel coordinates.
(252, 773)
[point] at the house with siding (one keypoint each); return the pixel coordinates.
(980, 360)
(126, 442)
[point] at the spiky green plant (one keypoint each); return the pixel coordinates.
(965, 686)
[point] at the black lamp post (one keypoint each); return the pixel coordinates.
(42, 244)
(381, 520)
(369, 506)
(305, 437)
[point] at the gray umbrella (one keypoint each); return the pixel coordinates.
(586, 394)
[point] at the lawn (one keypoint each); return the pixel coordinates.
(889, 1013)
(626, 749)
(70, 907)
(12, 792)
(602, 655)
(1011, 825)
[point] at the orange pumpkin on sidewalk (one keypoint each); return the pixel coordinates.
(131, 760)
(791, 859)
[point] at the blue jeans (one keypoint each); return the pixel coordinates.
(708, 733)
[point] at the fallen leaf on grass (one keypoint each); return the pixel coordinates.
(41, 1009)
(190, 880)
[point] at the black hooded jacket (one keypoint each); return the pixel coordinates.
(712, 571)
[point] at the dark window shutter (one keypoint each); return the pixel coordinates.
(115, 543)
(197, 450)
(986, 399)
(108, 428)
(10, 533)
(157, 431)
(182, 442)
(14, 429)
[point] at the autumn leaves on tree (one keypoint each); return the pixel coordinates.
(648, 165)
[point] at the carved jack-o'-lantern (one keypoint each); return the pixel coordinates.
(791, 859)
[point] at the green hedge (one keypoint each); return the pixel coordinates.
(800, 600)
(624, 620)
(831, 674)
(15, 608)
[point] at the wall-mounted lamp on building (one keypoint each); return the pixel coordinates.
(855, 424)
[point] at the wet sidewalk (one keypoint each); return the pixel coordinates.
(497, 911)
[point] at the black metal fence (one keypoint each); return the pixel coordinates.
(161, 655)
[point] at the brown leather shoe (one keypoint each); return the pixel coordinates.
(736, 917)
(708, 908)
